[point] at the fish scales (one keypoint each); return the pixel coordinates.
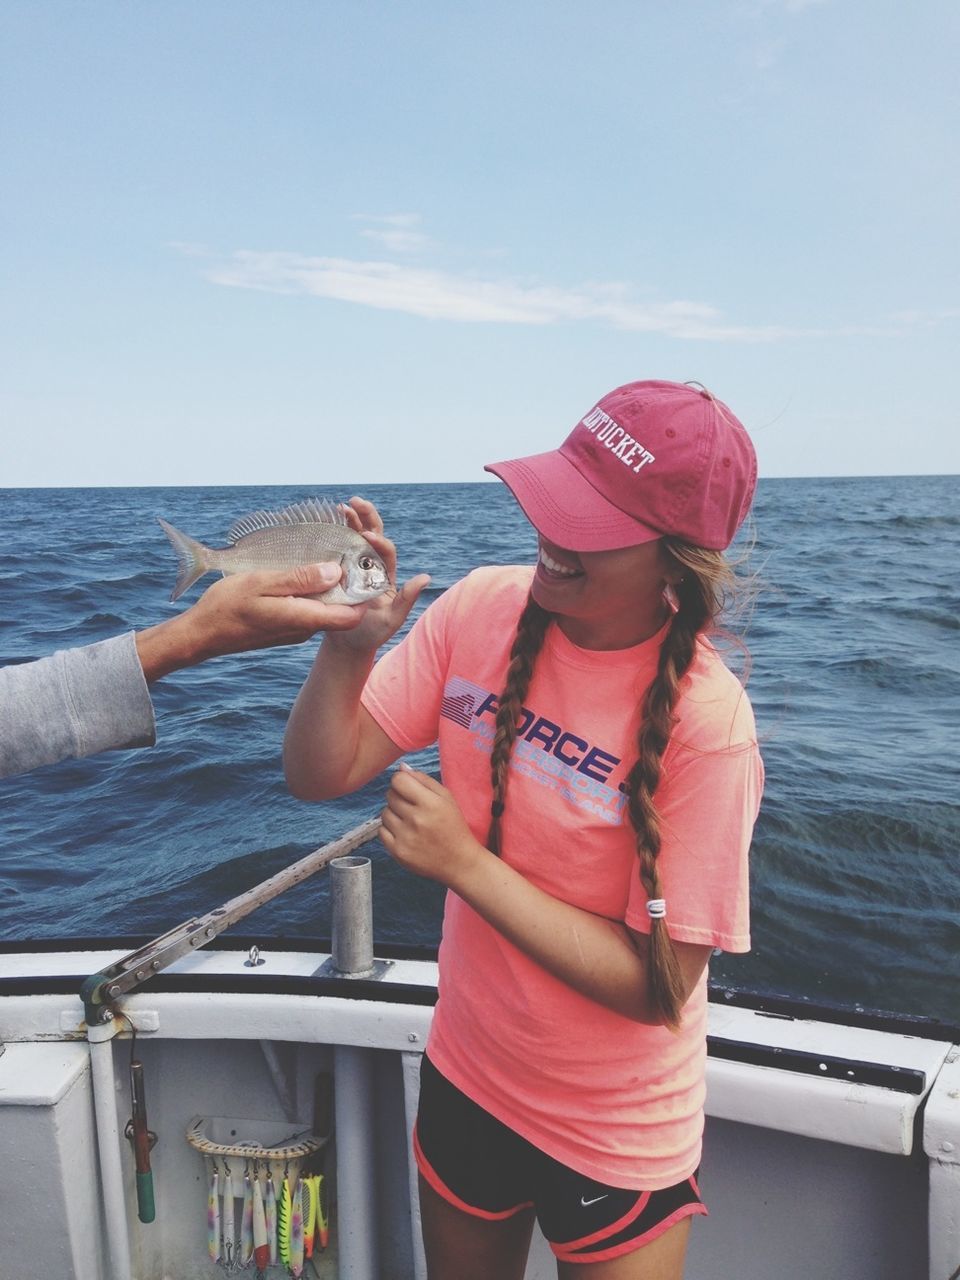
(285, 546)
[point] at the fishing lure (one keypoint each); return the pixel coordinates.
(309, 1214)
(296, 1232)
(213, 1217)
(261, 1249)
(270, 1216)
(284, 1211)
(229, 1243)
(323, 1212)
(246, 1222)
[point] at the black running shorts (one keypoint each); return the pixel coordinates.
(482, 1167)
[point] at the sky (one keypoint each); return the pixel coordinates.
(304, 242)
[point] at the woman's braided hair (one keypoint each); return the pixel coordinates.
(704, 580)
(527, 643)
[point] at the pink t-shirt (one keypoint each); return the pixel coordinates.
(619, 1101)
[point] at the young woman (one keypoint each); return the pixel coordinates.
(602, 779)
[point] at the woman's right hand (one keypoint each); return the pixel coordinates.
(386, 614)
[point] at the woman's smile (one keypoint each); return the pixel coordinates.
(602, 599)
(561, 564)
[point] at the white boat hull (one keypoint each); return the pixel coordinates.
(812, 1168)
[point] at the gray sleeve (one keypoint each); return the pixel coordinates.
(74, 703)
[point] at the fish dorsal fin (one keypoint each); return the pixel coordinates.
(313, 511)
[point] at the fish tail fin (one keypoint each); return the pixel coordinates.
(192, 555)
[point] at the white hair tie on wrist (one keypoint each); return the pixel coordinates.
(657, 908)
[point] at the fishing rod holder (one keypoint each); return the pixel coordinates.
(142, 1139)
(351, 896)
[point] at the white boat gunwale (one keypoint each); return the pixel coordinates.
(774, 1086)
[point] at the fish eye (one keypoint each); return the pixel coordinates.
(367, 562)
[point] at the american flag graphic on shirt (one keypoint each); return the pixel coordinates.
(460, 700)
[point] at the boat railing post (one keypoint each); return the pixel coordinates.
(351, 890)
(355, 1126)
(100, 1038)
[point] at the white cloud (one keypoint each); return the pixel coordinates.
(437, 295)
(396, 232)
(471, 299)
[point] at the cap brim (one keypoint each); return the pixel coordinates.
(565, 508)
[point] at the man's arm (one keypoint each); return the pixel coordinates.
(74, 703)
(95, 698)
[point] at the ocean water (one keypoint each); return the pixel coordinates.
(854, 673)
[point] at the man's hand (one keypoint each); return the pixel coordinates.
(247, 611)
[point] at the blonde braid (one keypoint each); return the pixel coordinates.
(700, 595)
(531, 630)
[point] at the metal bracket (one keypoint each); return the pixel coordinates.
(126, 975)
(130, 1134)
(143, 1021)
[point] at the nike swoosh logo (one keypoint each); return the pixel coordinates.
(596, 1200)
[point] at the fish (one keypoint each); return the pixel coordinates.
(311, 532)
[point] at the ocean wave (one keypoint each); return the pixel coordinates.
(944, 615)
(894, 674)
(101, 620)
(925, 523)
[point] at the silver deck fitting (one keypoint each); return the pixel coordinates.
(351, 895)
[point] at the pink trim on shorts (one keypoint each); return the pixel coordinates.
(431, 1176)
(563, 1254)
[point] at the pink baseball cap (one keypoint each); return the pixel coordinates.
(650, 459)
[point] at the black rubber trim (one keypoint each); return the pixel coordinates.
(800, 1009)
(226, 942)
(850, 1070)
(383, 991)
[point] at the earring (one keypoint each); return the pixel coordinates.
(670, 597)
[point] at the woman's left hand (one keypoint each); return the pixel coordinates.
(424, 830)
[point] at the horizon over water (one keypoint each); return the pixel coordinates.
(854, 676)
(433, 484)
